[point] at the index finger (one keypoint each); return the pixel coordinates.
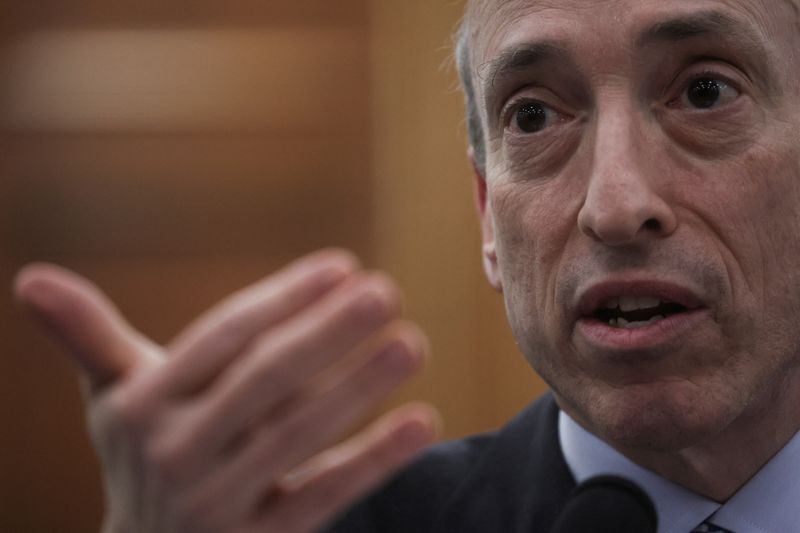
(203, 350)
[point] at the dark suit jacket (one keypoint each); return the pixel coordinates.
(511, 481)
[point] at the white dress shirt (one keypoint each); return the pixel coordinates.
(768, 503)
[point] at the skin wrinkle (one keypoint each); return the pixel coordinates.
(691, 414)
(519, 58)
(467, 38)
(719, 235)
(535, 159)
(511, 3)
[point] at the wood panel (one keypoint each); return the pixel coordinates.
(171, 170)
(171, 213)
(130, 195)
(426, 232)
(20, 16)
(270, 79)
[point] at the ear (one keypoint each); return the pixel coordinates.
(484, 210)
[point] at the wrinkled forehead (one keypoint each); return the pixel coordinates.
(478, 9)
(487, 21)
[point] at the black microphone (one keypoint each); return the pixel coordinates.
(607, 504)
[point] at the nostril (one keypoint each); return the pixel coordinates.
(652, 224)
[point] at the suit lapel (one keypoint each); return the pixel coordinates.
(520, 483)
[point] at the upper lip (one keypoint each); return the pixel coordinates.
(594, 296)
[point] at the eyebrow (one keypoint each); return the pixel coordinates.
(525, 56)
(698, 25)
(748, 41)
(520, 57)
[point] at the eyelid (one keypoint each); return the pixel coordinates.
(513, 105)
(530, 93)
(716, 71)
(509, 109)
(513, 108)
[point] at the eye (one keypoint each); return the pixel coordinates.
(708, 93)
(533, 117)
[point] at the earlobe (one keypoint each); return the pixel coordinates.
(490, 267)
(484, 209)
(489, 249)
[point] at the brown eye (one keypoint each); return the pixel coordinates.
(707, 93)
(532, 117)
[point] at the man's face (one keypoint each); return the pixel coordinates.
(643, 201)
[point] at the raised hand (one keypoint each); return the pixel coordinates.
(235, 426)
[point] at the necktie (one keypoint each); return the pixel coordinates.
(708, 527)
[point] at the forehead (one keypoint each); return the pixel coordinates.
(497, 23)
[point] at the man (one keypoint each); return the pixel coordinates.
(637, 169)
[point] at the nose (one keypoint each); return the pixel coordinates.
(623, 204)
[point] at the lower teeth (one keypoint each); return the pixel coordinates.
(624, 324)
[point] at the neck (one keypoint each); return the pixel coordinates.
(720, 465)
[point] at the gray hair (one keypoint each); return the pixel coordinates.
(477, 140)
(463, 56)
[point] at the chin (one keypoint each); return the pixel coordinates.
(655, 417)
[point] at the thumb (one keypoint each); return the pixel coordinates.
(78, 315)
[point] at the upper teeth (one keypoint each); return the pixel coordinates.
(632, 303)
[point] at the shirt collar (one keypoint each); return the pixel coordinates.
(767, 503)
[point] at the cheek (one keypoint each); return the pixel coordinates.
(764, 216)
(778, 234)
(753, 207)
(518, 242)
(715, 134)
(540, 157)
(533, 224)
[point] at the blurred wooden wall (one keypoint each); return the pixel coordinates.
(174, 155)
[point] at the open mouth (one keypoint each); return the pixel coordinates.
(637, 315)
(631, 312)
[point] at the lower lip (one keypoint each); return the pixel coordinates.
(604, 336)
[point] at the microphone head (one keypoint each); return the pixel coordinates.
(607, 504)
